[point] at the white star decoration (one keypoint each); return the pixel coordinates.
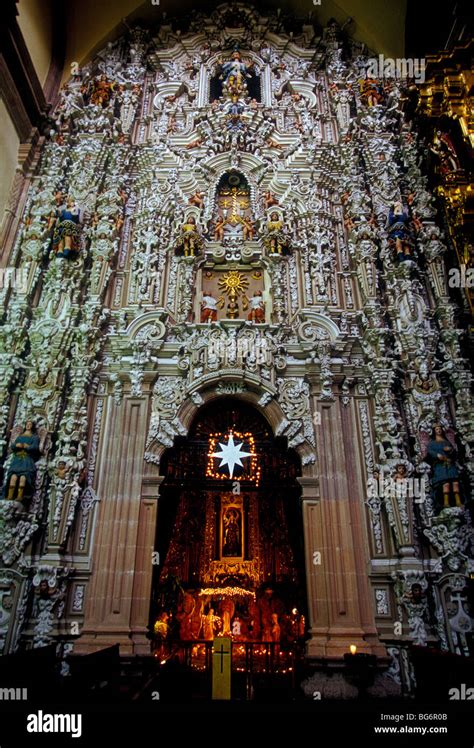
(230, 455)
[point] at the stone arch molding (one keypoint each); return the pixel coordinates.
(174, 407)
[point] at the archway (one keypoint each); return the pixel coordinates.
(230, 542)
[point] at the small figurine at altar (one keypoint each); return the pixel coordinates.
(21, 473)
(161, 627)
(399, 232)
(208, 308)
(257, 308)
(161, 631)
(209, 624)
(227, 610)
(67, 232)
(443, 459)
(275, 629)
(184, 616)
(275, 239)
(190, 239)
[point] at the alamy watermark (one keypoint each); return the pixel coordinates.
(402, 68)
(396, 488)
(13, 694)
(68, 723)
(461, 277)
(16, 278)
(461, 694)
(241, 349)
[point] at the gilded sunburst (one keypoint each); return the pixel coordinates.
(233, 283)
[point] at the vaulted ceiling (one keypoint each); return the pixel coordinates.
(377, 23)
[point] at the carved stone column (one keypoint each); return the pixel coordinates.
(336, 557)
(118, 541)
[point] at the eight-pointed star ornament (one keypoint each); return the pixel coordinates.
(230, 454)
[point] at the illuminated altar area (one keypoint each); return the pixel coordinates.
(230, 566)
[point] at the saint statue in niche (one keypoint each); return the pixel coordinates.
(21, 473)
(442, 455)
(67, 230)
(234, 75)
(232, 533)
(234, 218)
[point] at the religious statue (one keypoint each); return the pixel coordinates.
(257, 308)
(416, 607)
(62, 470)
(227, 610)
(232, 311)
(275, 240)
(233, 74)
(219, 230)
(208, 308)
(275, 629)
(247, 229)
(424, 383)
(197, 199)
(47, 598)
(184, 616)
(443, 459)
(232, 545)
(101, 91)
(371, 92)
(269, 606)
(161, 631)
(67, 233)
(190, 240)
(196, 616)
(161, 627)
(399, 232)
(400, 475)
(209, 623)
(21, 473)
(443, 149)
(269, 199)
